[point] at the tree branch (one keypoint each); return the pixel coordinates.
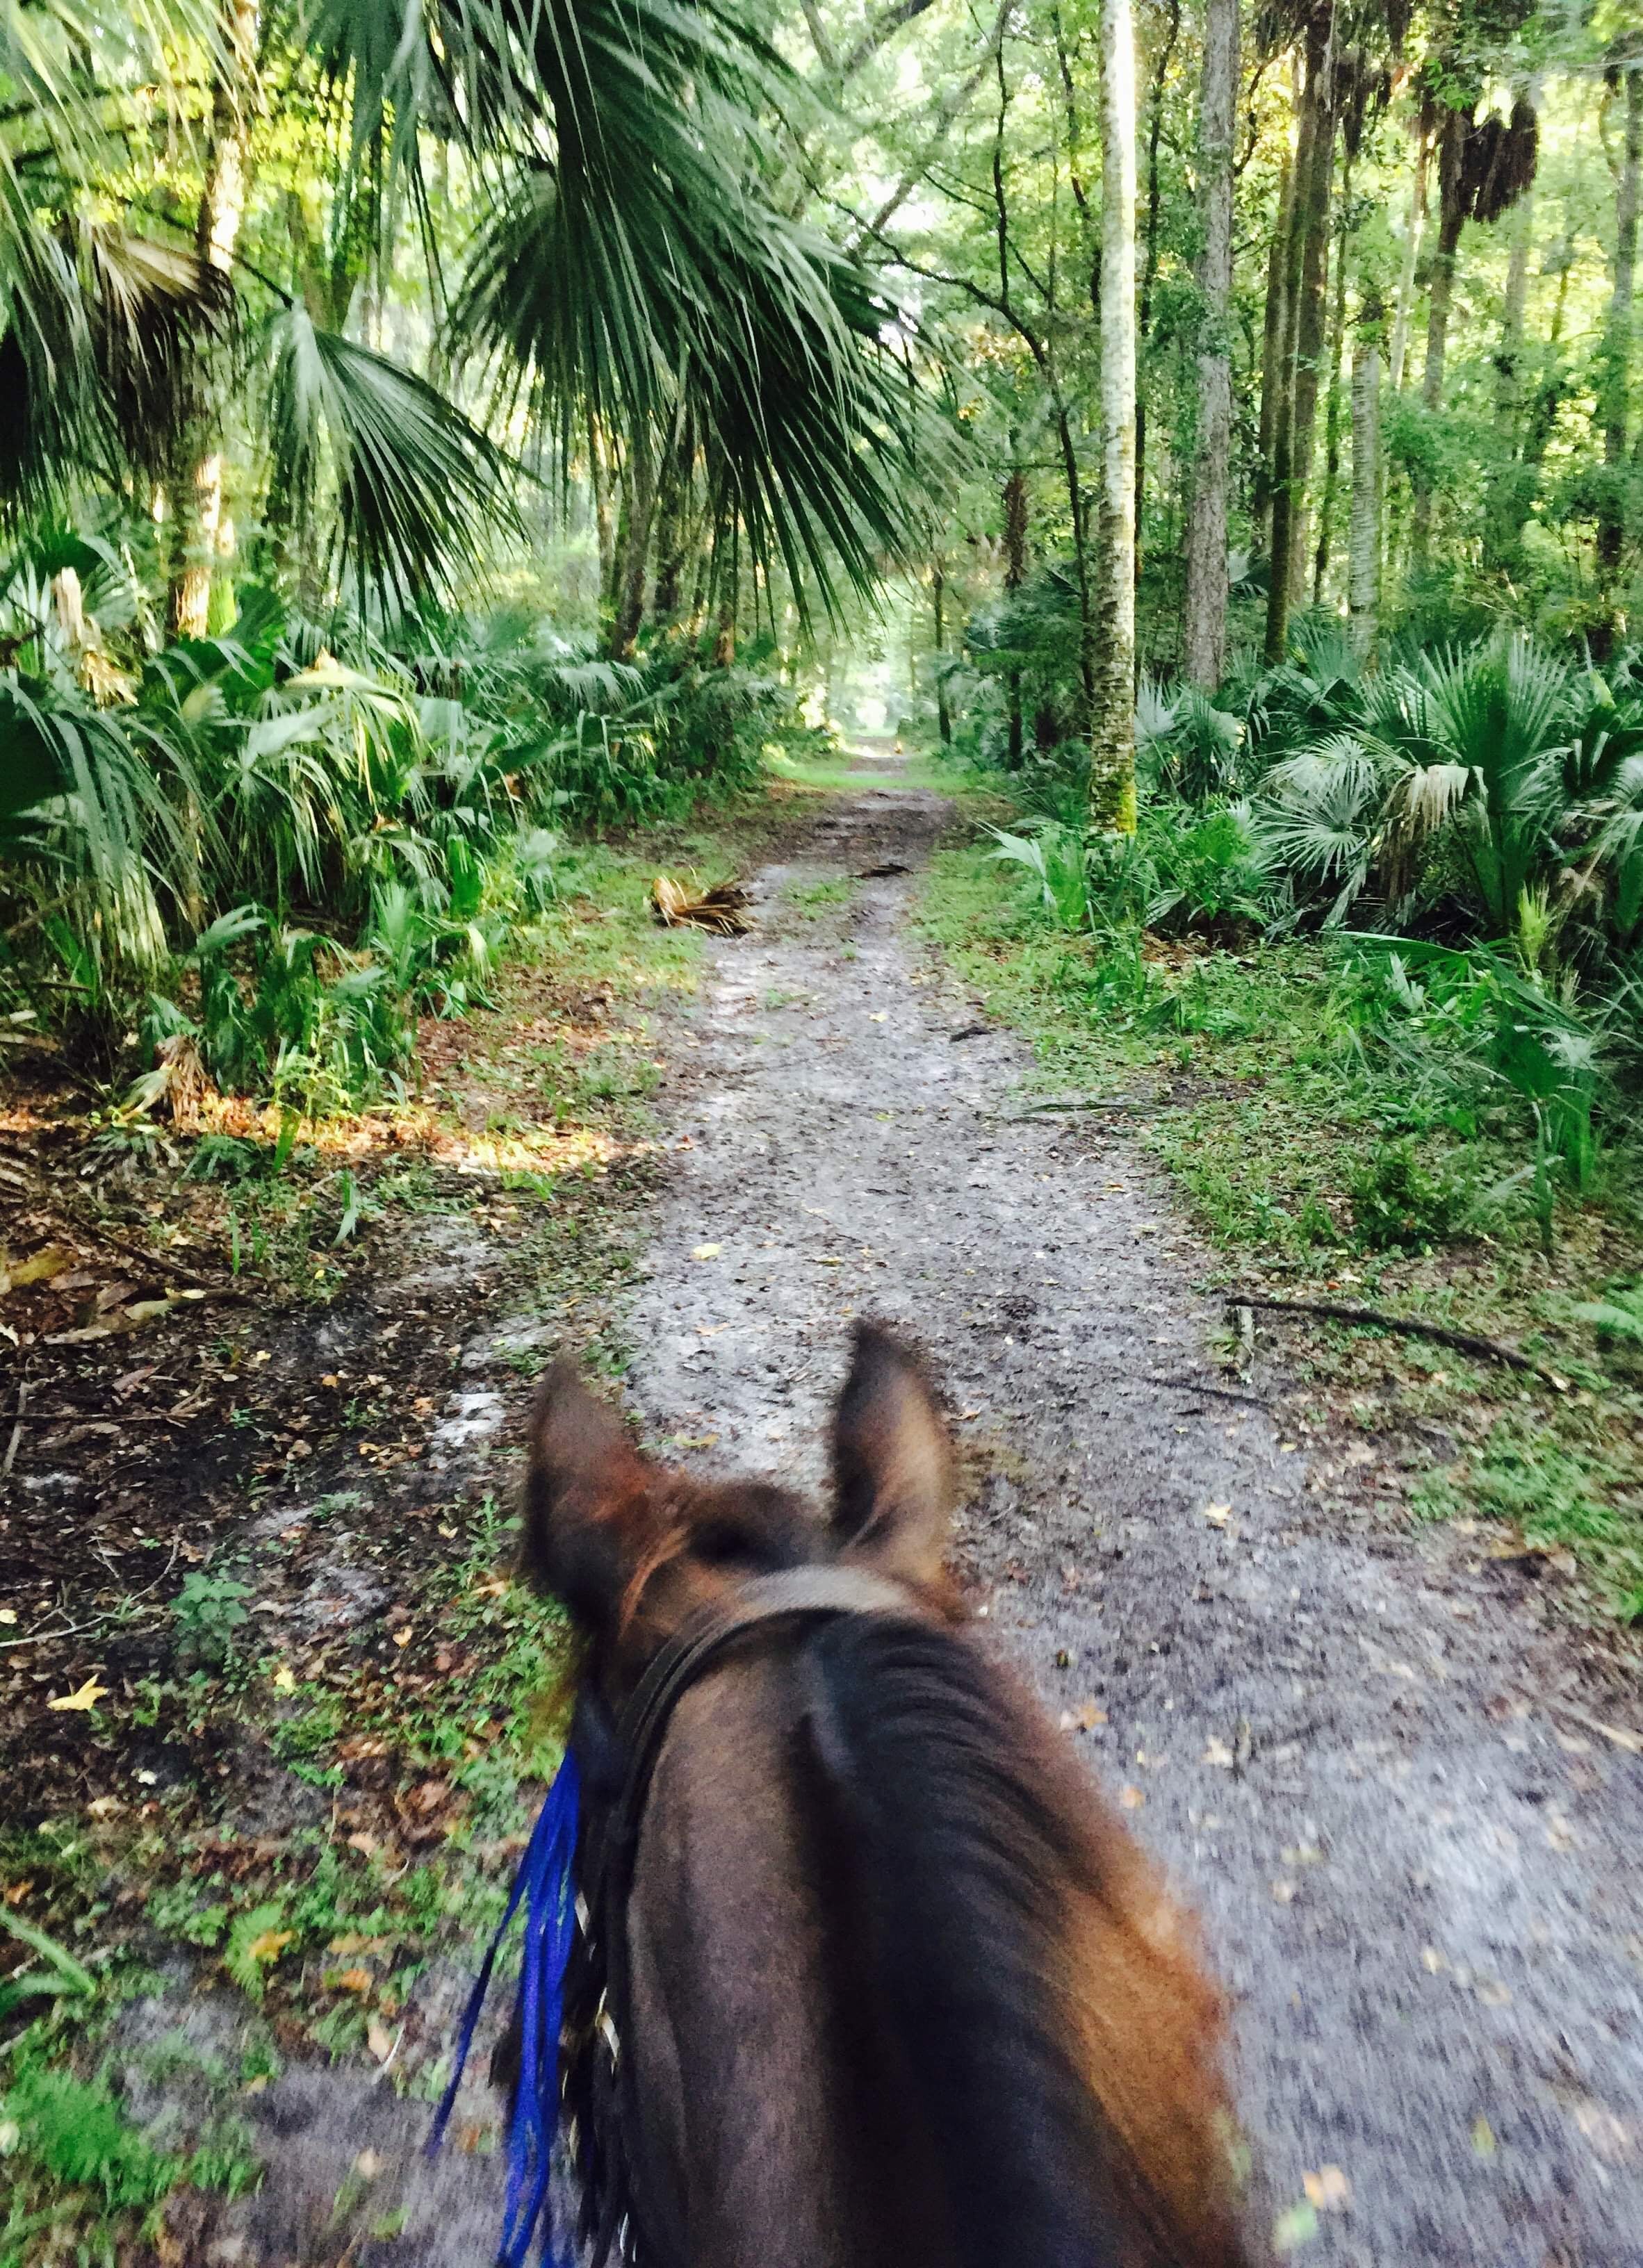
(1411, 1326)
(877, 35)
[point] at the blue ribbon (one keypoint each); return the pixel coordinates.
(545, 1887)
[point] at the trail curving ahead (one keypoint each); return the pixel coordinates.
(1420, 1874)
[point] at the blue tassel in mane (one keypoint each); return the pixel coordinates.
(544, 1885)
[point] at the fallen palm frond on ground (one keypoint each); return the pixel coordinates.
(721, 909)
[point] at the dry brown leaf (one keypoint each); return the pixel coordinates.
(1216, 1752)
(379, 2039)
(352, 1980)
(1131, 1797)
(40, 1267)
(1329, 2188)
(270, 1945)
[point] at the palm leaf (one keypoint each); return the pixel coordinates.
(418, 485)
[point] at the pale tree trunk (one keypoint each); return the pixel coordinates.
(1112, 724)
(1312, 323)
(1363, 536)
(217, 238)
(1274, 345)
(1332, 406)
(1615, 390)
(1205, 654)
(1416, 229)
(1451, 220)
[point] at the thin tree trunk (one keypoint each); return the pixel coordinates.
(1275, 370)
(1205, 654)
(1405, 310)
(937, 602)
(217, 237)
(1014, 576)
(604, 520)
(638, 515)
(1149, 269)
(1332, 407)
(672, 512)
(1451, 220)
(1306, 288)
(1363, 538)
(1112, 725)
(1511, 486)
(1615, 395)
(1312, 326)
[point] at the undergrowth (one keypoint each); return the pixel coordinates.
(1338, 1136)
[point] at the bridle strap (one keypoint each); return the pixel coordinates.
(806, 1592)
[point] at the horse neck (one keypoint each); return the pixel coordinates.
(766, 2087)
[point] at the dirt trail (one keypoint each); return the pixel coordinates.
(1418, 1871)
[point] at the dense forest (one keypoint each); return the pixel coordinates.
(427, 435)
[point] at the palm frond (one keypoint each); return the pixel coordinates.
(418, 485)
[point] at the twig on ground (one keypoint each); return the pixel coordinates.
(17, 1429)
(1411, 1326)
(1203, 1386)
(1620, 1734)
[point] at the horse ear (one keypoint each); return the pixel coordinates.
(893, 1464)
(588, 1502)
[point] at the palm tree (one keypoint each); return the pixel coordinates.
(637, 267)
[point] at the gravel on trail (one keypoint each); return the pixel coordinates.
(1421, 1876)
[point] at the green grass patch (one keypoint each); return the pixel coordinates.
(1319, 1164)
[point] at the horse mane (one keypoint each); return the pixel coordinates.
(1041, 1995)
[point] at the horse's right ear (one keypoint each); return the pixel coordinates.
(588, 1503)
(893, 1464)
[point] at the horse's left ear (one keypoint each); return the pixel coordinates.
(893, 1464)
(589, 1500)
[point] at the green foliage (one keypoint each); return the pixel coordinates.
(77, 2132)
(1400, 1204)
(208, 1611)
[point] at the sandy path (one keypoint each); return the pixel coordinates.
(1422, 1884)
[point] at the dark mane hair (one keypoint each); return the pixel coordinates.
(968, 1847)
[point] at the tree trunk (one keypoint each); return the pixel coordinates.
(1014, 576)
(672, 512)
(1112, 723)
(639, 514)
(1451, 220)
(1306, 288)
(217, 237)
(1511, 490)
(937, 602)
(1332, 407)
(604, 520)
(1205, 654)
(1149, 271)
(1274, 370)
(1312, 324)
(1410, 269)
(1363, 538)
(1614, 391)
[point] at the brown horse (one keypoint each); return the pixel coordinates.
(900, 1991)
